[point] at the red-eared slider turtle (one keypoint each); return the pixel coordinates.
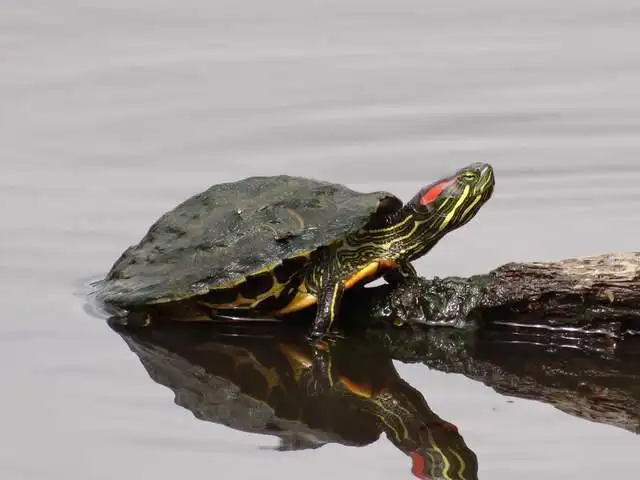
(276, 245)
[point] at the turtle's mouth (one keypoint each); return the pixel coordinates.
(486, 182)
(485, 193)
(471, 198)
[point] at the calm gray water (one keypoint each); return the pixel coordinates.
(111, 112)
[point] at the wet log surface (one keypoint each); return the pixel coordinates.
(596, 294)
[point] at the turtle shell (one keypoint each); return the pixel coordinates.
(231, 230)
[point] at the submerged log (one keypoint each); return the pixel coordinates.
(594, 294)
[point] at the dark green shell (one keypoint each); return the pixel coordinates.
(218, 237)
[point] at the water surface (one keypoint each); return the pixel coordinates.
(112, 112)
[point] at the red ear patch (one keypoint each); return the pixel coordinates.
(418, 466)
(435, 191)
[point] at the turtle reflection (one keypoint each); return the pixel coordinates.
(272, 381)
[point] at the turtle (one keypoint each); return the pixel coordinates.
(275, 245)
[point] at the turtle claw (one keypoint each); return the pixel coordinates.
(136, 320)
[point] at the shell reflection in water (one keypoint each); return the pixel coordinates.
(272, 381)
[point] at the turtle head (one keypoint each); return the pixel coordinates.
(452, 201)
(446, 205)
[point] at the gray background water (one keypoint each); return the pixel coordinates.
(112, 112)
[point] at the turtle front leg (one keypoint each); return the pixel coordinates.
(403, 272)
(322, 368)
(328, 306)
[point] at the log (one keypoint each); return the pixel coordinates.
(596, 294)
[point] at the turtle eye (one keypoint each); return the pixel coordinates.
(433, 192)
(470, 176)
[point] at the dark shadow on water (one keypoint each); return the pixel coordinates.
(266, 378)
